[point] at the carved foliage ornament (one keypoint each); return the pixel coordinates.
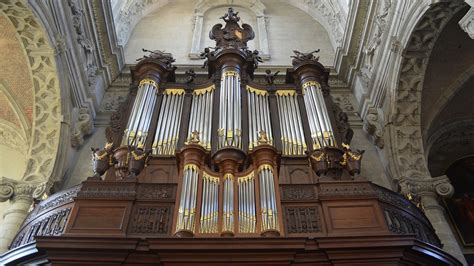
(47, 107)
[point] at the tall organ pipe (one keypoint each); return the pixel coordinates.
(258, 116)
(292, 134)
(201, 115)
(169, 120)
(247, 219)
(269, 210)
(230, 128)
(209, 203)
(322, 133)
(228, 204)
(140, 117)
(187, 203)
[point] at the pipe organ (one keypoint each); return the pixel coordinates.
(229, 133)
(233, 157)
(230, 137)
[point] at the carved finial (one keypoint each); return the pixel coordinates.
(230, 15)
(262, 137)
(300, 57)
(194, 137)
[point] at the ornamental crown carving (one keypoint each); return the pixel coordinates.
(232, 35)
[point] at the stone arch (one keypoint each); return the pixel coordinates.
(407, 151)
(46, 124)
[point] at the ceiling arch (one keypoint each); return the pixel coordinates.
(45, 92)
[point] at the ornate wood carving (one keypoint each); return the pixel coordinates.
(302, 219)
(156, 192)
(151, 220)
(298, 192)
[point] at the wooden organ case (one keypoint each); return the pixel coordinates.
(229, 171)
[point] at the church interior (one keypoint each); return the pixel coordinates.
(244, 132)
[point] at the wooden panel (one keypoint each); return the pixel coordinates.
(303, 220)
(94, 218)
(99, 217)
(355, 217)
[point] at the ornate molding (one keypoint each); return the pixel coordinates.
(47, 117)
(16, 190)
(440, 185)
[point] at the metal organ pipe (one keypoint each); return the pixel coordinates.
(209, 204)
(247, 219)
(269, 209)
(169, 120)
(320, 125)
(201, 115)
(228, 204)
(142, 110)
(291, 127)
(230, 129)
(258, 116)
(187, 204)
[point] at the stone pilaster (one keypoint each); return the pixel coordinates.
(431, 190)
(20, 196)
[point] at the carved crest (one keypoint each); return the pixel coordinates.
(232, 35)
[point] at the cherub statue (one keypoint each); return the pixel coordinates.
(269, 77)
(206, 55)
(194, 138)
(262, 137)
(256, 58)
(190, 75)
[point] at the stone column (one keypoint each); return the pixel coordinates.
(431, 191)
(21, 197)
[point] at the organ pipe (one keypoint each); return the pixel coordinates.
(268, 203)
(292, 135)
(230, 128)
(210, 203)
(201, 115)
(322, 134)
(258, 116)
(187, 203)
(247, 208)
(139, 121)
(228, 204)
(169, 119)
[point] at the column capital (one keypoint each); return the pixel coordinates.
(440, 185)
(18, 190)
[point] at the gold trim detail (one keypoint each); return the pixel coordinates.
(229, 176)
(197, 92)
(246, 178)
(230, 73)
(191, 166)
(286, 92)
(174, 91)
(211, 178)
(257, 91)
(148, 81)
(310, 83)
(265, 166)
